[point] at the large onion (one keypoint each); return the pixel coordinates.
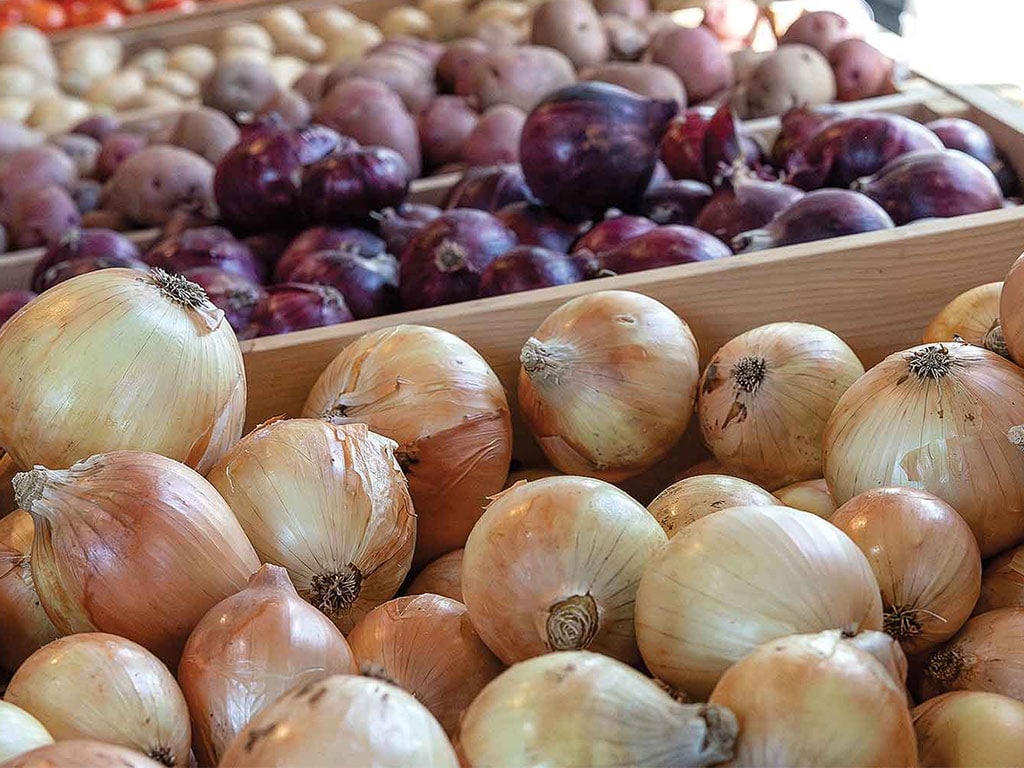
(974, 317)
(944, 418)
(970, 729)
(25, 627)
(438, 399)
(692, 498)
(75, 753)
(776, 572)
(1002, 582)
(440, 577)
(19, 732)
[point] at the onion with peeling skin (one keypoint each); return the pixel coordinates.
(690, 499)
(440, 577)
(974, 317)
(19, 732)
(26, 628)
(808, 495)
(970, 729)
(679, 201)
(1002, 582)
(75, 753)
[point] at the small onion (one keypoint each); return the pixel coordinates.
(330, 504)
(66, 270)
(81, 243)
(82, 754)
(607, 384)
(664, 246)
(26, 628)
(974, 317)
(924, 557)
(537, 225)
(682, 148)
(747, 203)
(351, 186)
(808, 495)
(692, 498)
(969, 729)
(675, 202)
(1002, 582)
(766, 396)
(19, 732)
(234, 295)
(489, 189)
(250, 649)
(103, 687)
(613, 232)
(315, 239)
(440, 577)
(205, 247)
(776, 572)
(293, 307)
(527, 267)
(1011, 311)
(369, 284)
(398, 225)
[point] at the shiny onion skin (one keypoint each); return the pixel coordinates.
(536, 225)
(426, 645)
(489, 189)
(250, 649)
(966, 407)
(343, 720)
(692, 498)
(726, 149)
(527, 267)
(256, 183)
(766, 395)
(19, 732)
(398, 225)
(974, 317)
(969, 729)
(1002, 582)
(352, 239)
(612, 232)
(965, 136)
(808, 495)
(924, 557)
(353, 185)
(776, 571)
(173, 383)
(796, 126)
(592, 146)
(679, 201)
(205, 247)
(133, 544)
(817, 700)
(570, 551)
(329, 503)
(438, 399)
(440, 577)
(76, 753)
(682, 147)
(747, 203)
(576, 709)
(290, 307)
(369, 284)
(26, 628)
(665, 246)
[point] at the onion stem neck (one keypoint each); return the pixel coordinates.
(1015, 435)
(334, 592)
(162, 755)
(722, 732)
(572, 623)
(945, 665)
(994, 341)
(180, 289)
(450, 256)
(749, 372)
(543, 363)
(931, 362)
(29, 486)
(901, 622)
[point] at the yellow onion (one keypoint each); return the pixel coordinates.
(76, 753)
(607, 384)
(329, 503)
(886, 650)
(103, 687)
(924, 557)
(133, 544)
(553, 565)
(744, 576)
(985, 655)
(943, 418)
(972, 316)
(441, 577)
(19, 732)
(817, 700)
(576, 709)
(25, 627)
(691, 499)
(431, 393)
(1002, 582)
(426, 645)
(343, 720)
(250, 649)
(1011, 311)
(970, 729)
(765, 398)
(809, 496)
(118, 359)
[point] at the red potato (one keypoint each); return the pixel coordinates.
(411, 82)
(520, 76)
(819, 29)
(861, 70)
(30, 168)
(455, 67)
(627, 38)
(293, 109)
(206, 132)
(427, 51)
(651, 80)
(572, 27)
(495, 140)
(697, 58)
(42, 216)
(154, 184)
(115, 149)
(444, 127)
(630, 9)
(791, 76)
(312, 84)
(239, 86)
(83, 151)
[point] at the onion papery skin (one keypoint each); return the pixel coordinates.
(436, 397)
(766, 396)
(682, 147)
(1011, 311)
(924, 557)
(808, 495)
(571, 551)
(941, 418)
(1002, 582)
(796, 126)
(426, 645)
(692, 498)
(974, 317)
(250, 649)
(607, 384)
(969, 729)
(442, 576)
(746, 203)
(576, 709)
(25, 627)
(76, 753)
(20, 732)
(343, 720)
(173, 382)
(790, 696)
(133, 544)
(985, 655)
(329, 503)
(103, 687)
(777, 572)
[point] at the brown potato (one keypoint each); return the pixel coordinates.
(496, 137)
(627, 39)
(207, 132)
(196, 61)
(651, 80)
(495, 33)
(104, 219)
(819, 29)
(860, 69)
(14, 136)
(520, 76)
(792, 76)
(454, 69)
(446, 16)
(406, 20)
(402, 75)
(238, 86)
(151, 185)
(572, 27)
(696, 56)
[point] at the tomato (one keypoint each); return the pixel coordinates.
(45, 15)
(11, 14)
(87, 12)
(183, 6)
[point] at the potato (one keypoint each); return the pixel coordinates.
(155, 97)
(293, 110)
(3, 239)
(83, 150)
(651, 80)
(115, 149)
(151, 185)
(572, 27)
(406, 20)
(311, 84)
(118, 90)
(196, 61)
(15, 137)
(516, 14)
(284, 22)
(629, 9)
(207, 132)
(745, 62)
(243, 53)
(860, 69)
(444, 126)
(152, 61)
(445, 16)
(732, 21)
(286, 70)
(14, 110)
(246, 35)
(57, 113)
(42, 216)
(627, 39)
(791, 76)
(30, 168)
(496, 137)
(697, 58)
(819, 29)
(17, 82)
(28, 47)
(306, 47)
(238, 86)
(497, 34)
(401, 75)
(177, 82)
(352, 43)
(454, 69)
(520, 76)
(424, 53)
(87, 60)
(326, 21)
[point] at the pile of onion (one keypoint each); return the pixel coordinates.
(440, 577)
(692, 498)
(25, 627)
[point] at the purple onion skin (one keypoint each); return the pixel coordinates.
(236, 296)
(489, 189)
(352, 239)
(537, 225)
(12, 301)
(660, 176)
(675, 202)
(662, 247)
(352, 186)
(592, 146)
(526, 267)
(933, 184)
(256, 183)
(296, 307)
(398, 225)
(368, 283)
(725, 148)
(968, 137)
(797, 125)
(443, 263)
(848, 148)
(682, 147)
(84, 243)
(98, 126)
(747, 204)
(612, 232)
(818, 215)
(65, 270)
(268, 247)
(206, 247)
(317, 142)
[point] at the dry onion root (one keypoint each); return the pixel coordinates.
(808, 495)
(577, 709)
(972, 316)
(765, 398)
(19, 732)
(691, 499)
(25, 627)
(967, 729)
(440, 577)
(1002, 582)
(76, 753)
(607, 384)
(553, 565)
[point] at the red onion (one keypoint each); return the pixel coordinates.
(296, 307)
(256, 183)
(662, 247)
(12, 301)
(444, 126)
(932, 184)
(318, 141)
(268, 247)
(746, 204)
(526, 267)
(725, 148)
(43, 215)
(65, 270)
(84, 243)
(957, 133)
(116, 148)
(351, 186)
(358, 241)
(369, 284)
(398, 225)
(98, 126)
(682, 148)
(675, 202)
(537, 225)
(442, 264)
(660, 176)
(592, 146)
(847, 148)
(206, 247)
(797, 125)
(613, 232)
(489, 189)
(236, 296)
(817, 215)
